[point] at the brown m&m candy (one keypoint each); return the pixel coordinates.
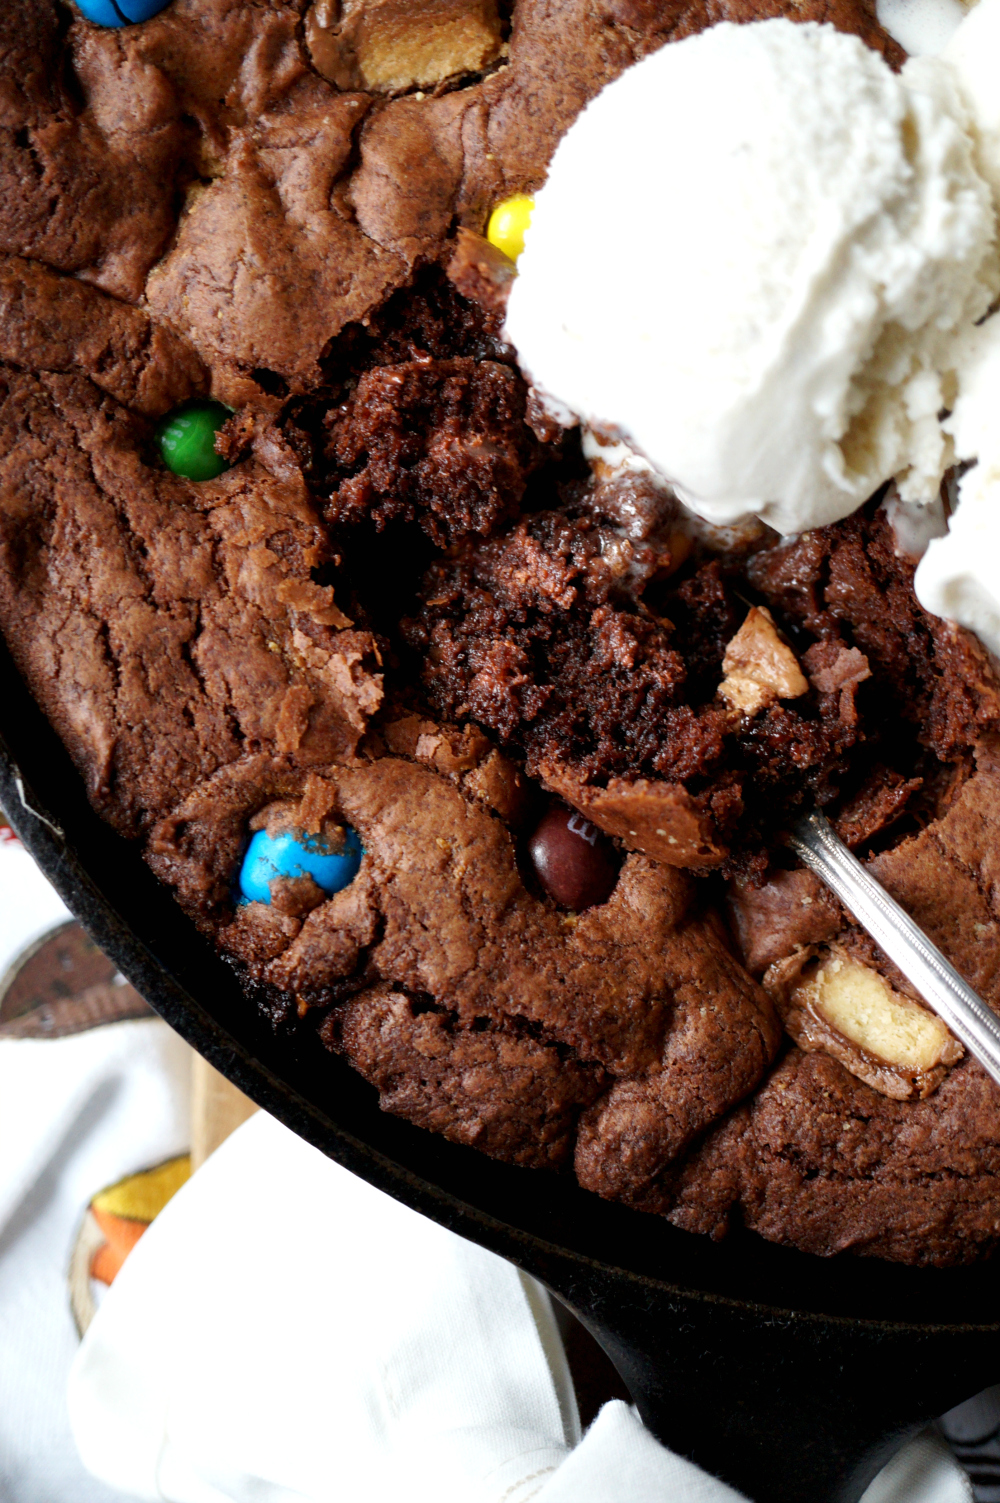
(576, 864)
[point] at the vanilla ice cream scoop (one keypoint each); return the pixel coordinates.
(959, 575)
(753, 260)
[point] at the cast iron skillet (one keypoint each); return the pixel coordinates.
(792, 1377)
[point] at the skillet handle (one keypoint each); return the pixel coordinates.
(785, 1408)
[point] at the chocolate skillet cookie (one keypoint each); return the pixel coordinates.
(453, 739)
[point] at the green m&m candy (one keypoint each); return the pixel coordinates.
(187, 440)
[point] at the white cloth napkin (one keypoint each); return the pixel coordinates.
(285, 1332)
(75, 1114)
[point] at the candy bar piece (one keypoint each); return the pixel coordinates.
(660, 819)
(830, 1001)
(759, 667)
(386, 46)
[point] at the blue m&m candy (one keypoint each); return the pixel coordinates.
(293, 854)
(120, 12)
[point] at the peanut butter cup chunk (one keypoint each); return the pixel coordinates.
(387, 46)
(832, 998)
(760, 668)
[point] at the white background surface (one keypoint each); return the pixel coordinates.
(75, 1114)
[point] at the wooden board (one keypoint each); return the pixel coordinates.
(217, 1109)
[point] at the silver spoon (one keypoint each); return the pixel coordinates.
(966, 1014)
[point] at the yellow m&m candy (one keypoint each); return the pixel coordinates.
(508, 223)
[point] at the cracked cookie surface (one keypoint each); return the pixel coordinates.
(165, 627)
(635, 1008)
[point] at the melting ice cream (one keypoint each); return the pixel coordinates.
(782, 302)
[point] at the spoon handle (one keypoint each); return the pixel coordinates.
(921, 962)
